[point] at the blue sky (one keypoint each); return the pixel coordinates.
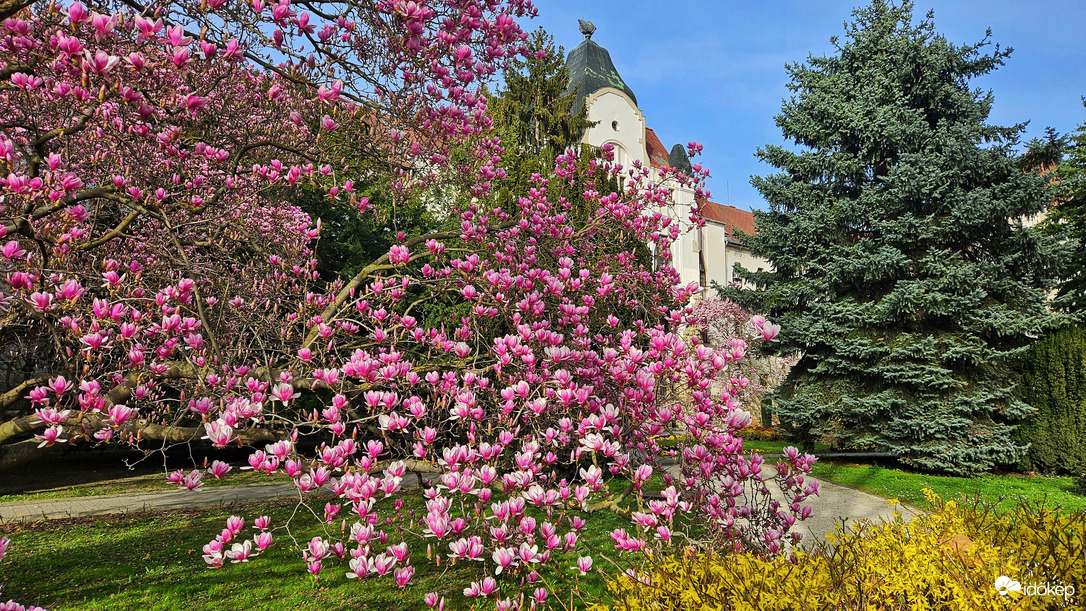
(714, 71)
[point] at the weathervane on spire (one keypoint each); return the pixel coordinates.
(587, 28)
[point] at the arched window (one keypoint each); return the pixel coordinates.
(622, 158)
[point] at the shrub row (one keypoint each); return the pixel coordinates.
(1052, 379)
(757, 432)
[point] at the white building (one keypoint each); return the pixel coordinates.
(704, 255)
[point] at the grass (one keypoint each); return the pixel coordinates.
(77, 473)
(1002, 491)
(109, 475)
(154, 562)
(81, 474)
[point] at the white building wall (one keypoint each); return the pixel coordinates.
(685, 249)
(717, 265)
(618, 122)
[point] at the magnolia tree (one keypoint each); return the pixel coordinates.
(159, 289)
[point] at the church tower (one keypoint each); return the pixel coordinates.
(611, 103)
(701, 254)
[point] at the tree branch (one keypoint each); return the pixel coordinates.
(16, 393)
(25, 425)
(21, 225)
(380, 264)
(116, 232)
(9, 8)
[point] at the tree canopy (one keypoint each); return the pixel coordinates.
(904, 270)
(533, 111)
(1067, 219)
(159, 288)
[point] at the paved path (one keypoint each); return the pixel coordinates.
(834, 502)
(58, 509)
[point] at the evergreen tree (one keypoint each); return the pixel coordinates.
(349, 241)
(1067, 221)
(533, 115)
(1052, 378)
(903, 271)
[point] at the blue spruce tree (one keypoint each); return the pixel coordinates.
(904, 269)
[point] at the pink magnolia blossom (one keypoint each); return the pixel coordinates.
(51, 435)
(403, 575)
(584, 564)
(119, 414)
(193, 480)
(399, 255)
(12, 251)
(218, 469)
(240, 552)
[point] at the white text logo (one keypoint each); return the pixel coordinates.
(1006, 585)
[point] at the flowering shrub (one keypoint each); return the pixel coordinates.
(726, 326)
(1046, 543)
(957, 557)
(760, 433)
(168, 295)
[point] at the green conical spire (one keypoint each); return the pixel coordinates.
(591, 69)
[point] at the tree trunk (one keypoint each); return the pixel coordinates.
(15, 454)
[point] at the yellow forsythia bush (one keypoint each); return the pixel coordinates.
(1049, 544)
(949, 559)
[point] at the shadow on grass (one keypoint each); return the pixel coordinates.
(153, 561)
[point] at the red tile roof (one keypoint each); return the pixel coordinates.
(655, 149)
(731, 217)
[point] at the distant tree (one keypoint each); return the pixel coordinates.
(1044, 154)
(534, 117)
(725, 325)
(349, 241)
(903, 270)
(534, 120)
(1067, 220)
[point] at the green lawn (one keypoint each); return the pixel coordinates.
(154, 562)
(768, 449)
(81, 472)
(1006, 490)
(908, 487)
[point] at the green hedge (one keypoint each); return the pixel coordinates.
(1053, 380)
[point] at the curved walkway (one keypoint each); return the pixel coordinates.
(834, 504)
(78, 507)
